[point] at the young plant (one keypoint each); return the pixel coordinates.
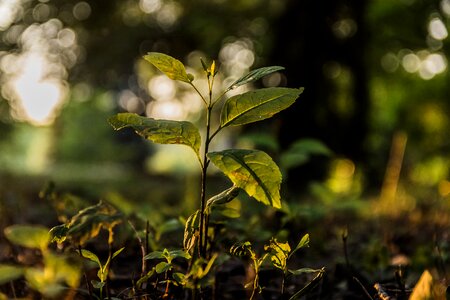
(245, 249)
(103, 270)
(253, 171)
(166, 266)
(279, 254)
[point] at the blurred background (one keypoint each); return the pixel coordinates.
(375, 72)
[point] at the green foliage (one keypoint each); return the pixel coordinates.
(160, 131)
(251, 170)
(173, 68)
(257, 105)
(87, 224)
(103, 270)
(56, 271)
(28, 236)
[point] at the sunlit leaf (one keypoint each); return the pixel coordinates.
(428, 288)
(159, 131)
(88, 222)
(52, 279)
(254, 75)
(252, 170)
(191, 231)
(173, 68)
(241, 249)
(257, 105)
(58, 233)
(9, 273)
(91, 256)
(279, 253)
(304, 242)
(117, 252)
(30, 236)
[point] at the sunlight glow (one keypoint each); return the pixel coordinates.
(445, 7)
(33, 78)
(9, 10)
(426, 64)
(437, 29)
(170, 110)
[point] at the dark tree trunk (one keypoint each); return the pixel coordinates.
(306, 44)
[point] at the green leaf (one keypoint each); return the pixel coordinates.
(173, 68)
(179, 278)
(59, 233)
(191, 231)
(117, 252)
(155, 255)
(310, 286)
(300, 152)
(91, 256)
(9, 273)
(29, 236)
(159, 131)
(304, 271)
(179, 253)
(252, 170)
(98, 284)
(88, 222)
(304, 242)
(257, 105)
(162, 267)
(224, 197)
(254, 75)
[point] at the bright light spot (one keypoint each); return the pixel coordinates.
(437, 29)
(168, 14)
(432, 65)
(162, 88)
(411, 63)
(274, 79)
(150, 6)
(39, 97)
(345, 28)
(81, 11)
(9, 10)
(445, 6)
(173, 158)
(33, 78)
(236, 58)
(130, 102)
(341, 177)
(168, 110)
(66, 38)
(436, 63)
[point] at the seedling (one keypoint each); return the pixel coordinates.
(252, 171)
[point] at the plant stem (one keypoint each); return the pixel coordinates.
(203, 223)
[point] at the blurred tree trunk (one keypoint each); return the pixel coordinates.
(315, 40)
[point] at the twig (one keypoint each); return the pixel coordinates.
(362, 286)
(143, 252)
